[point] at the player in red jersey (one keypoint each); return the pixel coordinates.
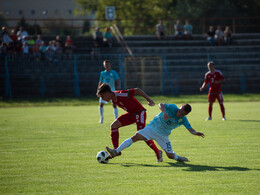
(215, 78)
(135, 112)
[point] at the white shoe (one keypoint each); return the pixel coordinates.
(224, 119)
(182, 159)
(101, 120)
(208, 119)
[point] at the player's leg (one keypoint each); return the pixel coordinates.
(222, 108)
(140, 122)
(211, 100)
(121, 121)
(115, 110)
(165, 144)
(127, 143)
(101, 110)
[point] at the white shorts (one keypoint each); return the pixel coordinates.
(103, 101)
(162, 140)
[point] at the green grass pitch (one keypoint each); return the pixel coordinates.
(52, 150)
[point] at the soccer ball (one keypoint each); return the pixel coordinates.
(103, 157)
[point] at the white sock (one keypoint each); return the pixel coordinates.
(124, 145)
(176, 156)
(116, 113)
(101, 111)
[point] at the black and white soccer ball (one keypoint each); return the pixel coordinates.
(103, 157)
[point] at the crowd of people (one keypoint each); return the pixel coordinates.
(216, 36)
(20, 43)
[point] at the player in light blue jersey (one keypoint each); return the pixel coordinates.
(160, 128)
(111, 78)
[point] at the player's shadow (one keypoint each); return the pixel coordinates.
(191, 167)
(201, 168)
(241, 120)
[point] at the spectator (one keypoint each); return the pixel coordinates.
(219, 36)
(21, 33)
(24, 40)
(108, 37)
(160, 30)
(51, 52)
(13, 35)
(7, 41)
(179, 30)
(43, 48)
(211, 36)
(31, 43)
(36, 52)
(228, 36)
(26, 51)
(69, 46)
(188, 30)
(98, 37)
(39, 40)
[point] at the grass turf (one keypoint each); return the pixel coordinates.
(51, 150)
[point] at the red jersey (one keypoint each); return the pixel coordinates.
(125, 99)
(211, 78)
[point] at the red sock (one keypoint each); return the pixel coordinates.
(222, 110)
(210, 110)
(151, 144)
(114, 137)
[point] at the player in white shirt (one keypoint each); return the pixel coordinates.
(111, 78)
(160, 128)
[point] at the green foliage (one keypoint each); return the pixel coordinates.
(140, 17)
(52, 150)
(31, 29)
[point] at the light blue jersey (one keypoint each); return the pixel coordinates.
(109, 78)
(164, 127)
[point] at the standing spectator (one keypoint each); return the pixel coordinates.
(98, 37)
(228, 36)
(111, 78)
(211, 36)
(31, 43)
(26, 52)
(160, 30)
(219, 36)
(135, 113)
(21, 33)
(179, 30)
(43, 48)
(13, 35)
(188, 30)
(7, 41)
(39, 40)
(214, 78)
(69, 46)
(108, 37)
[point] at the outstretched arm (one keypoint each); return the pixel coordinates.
(193, 132)
(144, 95)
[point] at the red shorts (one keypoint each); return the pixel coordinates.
(128, 119)
(213, 96)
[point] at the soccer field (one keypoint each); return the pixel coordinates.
(52, 150)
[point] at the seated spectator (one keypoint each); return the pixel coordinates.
(21, 33)
(160, 30)
(179, 30)
(39, 40)
(26, 52)
(228, 36)
(30, 43)
(219, 36)
(69, 46)
(188, 30)
(36, 52)
(108, 38)
(43, 48)
(211, 36)
(51, 52)
(98, 37)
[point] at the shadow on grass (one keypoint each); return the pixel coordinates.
(245, 120)
(190, 167)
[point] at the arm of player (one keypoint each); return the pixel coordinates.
(99, 83)
(144, 95)
(194, 132)
(204, 85)
(220, 81)
(162, 108)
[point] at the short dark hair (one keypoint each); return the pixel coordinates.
(103, 89)
(187, 108)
